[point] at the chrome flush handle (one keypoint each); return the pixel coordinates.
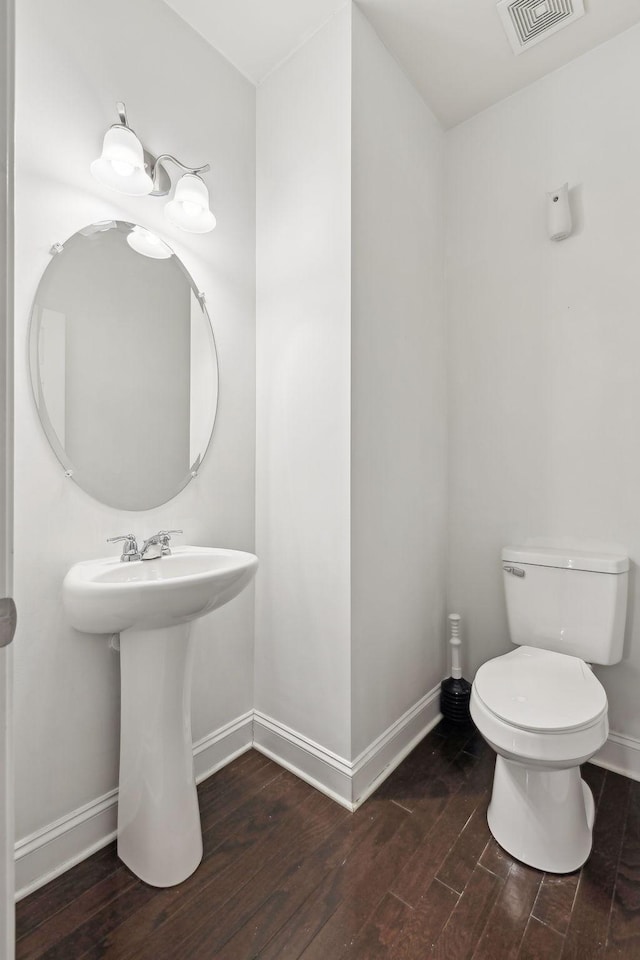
(516, 571)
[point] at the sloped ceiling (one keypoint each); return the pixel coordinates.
(455, 51)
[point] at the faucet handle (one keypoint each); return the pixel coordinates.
(163, 537)
(130, 549)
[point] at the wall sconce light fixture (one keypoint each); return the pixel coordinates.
(126, 166)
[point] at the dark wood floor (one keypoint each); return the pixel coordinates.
(413, 874)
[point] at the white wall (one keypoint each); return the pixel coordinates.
(303, 389)
(398, 415)
(75, 59)
(545, 339)
(351, 508)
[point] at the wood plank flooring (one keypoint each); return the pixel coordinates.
(289, 875)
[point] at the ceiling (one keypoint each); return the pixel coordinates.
(455, 51)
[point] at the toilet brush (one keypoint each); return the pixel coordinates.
(455, 692)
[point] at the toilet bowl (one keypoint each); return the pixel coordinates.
(541, 708)
(544, 714)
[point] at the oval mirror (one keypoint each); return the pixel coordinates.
(123, 365)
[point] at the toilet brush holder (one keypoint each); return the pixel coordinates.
(455, 692)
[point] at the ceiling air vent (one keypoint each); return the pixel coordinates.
(527, 22)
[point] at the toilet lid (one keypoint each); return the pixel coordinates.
(541, 690)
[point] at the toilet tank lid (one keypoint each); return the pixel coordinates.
(568, 559)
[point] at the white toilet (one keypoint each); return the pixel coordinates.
(541, 707)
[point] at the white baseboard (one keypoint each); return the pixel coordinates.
(222, 746)
(375, 763)
(620, 754)
(57, 847)
(324, 770)
(50, 851)
(347, 782)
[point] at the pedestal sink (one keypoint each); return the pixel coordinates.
(150, 603)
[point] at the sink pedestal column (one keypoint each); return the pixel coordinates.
(159, 832)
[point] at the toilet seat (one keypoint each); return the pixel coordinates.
(538, 707)
(541, 691)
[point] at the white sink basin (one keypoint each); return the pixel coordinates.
(150, 604)
(107, 596)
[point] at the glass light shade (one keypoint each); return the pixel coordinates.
(189, 208)
(121, 166)
(148, 244)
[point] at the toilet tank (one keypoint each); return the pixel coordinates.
(573, 602)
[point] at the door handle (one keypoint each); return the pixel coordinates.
(8, 620)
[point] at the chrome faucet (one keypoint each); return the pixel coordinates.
(157, 545)
(130, 550)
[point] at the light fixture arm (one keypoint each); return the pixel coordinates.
(156, 166)
(159, 168)
(122, 113)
